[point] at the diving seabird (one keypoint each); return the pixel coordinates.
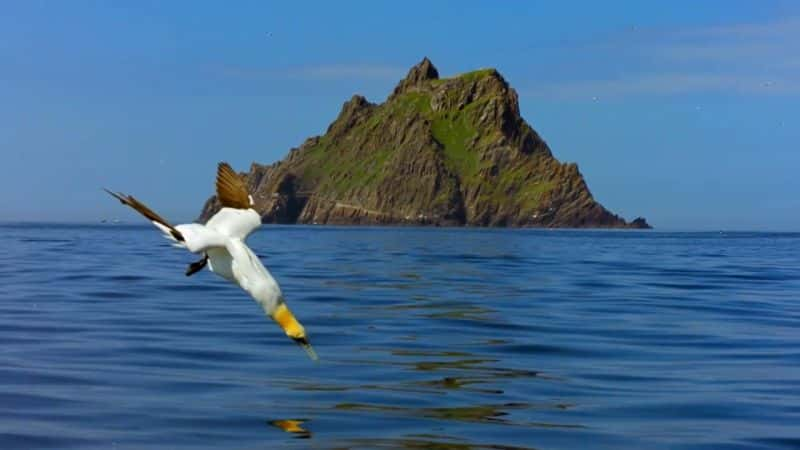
(221, 242)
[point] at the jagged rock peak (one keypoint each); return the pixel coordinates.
(353, 110)
(357, 101)
(355, 105)
(424, 70)
(420, 73)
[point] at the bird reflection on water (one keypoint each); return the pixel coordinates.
(293, 426)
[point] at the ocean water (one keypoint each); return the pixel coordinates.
(428, 338)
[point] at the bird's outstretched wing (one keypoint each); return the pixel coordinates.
(142, 209)
(236, 218)
(231, 190)
(192, 236)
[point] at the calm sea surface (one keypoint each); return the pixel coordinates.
(428, 338)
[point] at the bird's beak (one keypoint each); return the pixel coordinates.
(303, 342)
(283, 315)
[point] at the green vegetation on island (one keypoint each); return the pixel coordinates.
(442, 151)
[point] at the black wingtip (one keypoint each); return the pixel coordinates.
(115, 195)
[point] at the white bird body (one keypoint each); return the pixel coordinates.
(222, 242)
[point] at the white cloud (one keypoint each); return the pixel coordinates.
(751, 59)
(344, 71)
(320, 72)
(776, 29)
(665, 84)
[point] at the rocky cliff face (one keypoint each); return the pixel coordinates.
(451, 151)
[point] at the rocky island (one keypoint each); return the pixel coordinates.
(439, 151)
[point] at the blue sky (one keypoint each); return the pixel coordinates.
(687, 113)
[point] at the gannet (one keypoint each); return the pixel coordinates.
(221, 241)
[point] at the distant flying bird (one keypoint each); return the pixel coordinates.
(221, 242)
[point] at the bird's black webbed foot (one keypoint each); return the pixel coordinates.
(196, 266)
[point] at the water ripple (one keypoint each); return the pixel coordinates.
(429, 338)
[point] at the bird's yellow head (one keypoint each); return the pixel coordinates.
(283, 315)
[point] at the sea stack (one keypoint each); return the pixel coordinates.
(439, 151)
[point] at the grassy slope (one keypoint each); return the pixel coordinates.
(342, 169)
